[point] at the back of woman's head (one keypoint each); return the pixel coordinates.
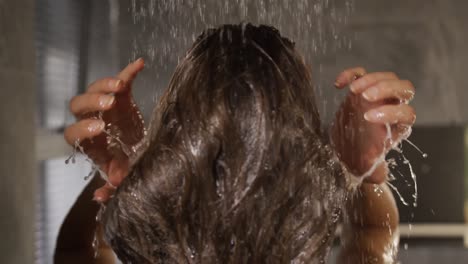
(235, 169)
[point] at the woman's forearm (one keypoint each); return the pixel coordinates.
(75, 240)
(370, 230)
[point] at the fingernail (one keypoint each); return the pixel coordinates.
(139, 60)
(114, 84)
(106, 100)
(97, 125)
(373, 115)
(371, 94)
(356, 85)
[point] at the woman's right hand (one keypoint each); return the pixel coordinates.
(106, 112)
(376, 101)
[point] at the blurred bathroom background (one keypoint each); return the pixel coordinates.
(50, 50)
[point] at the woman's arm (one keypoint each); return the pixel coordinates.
(113, 98)
(370, 230)
(74, 243)
(376, 109)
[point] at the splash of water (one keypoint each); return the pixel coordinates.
(72, 156)
(413, 176)
(424, 155)
(77, 148)
(403, 201)
(357, 180)
(412, 173)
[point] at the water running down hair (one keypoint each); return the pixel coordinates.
(235, 168)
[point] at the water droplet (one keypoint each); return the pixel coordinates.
(378, 190)
(414, 146)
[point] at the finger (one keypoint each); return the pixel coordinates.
(104, 193)
(348, 76)
(83, 129)
(370, 79)
(106, 85)
(391, 114)
(118, 170)
(129, 73)
(400, 132)
(91, 102)
(390, 89)
(379, 175)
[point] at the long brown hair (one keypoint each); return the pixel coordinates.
(235, 169)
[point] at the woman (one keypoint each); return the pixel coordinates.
(236, 167)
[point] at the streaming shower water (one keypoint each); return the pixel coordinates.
(388, 141)
(162, 31)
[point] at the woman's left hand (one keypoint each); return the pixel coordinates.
(359, 133)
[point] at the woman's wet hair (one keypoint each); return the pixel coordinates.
(235, 168)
